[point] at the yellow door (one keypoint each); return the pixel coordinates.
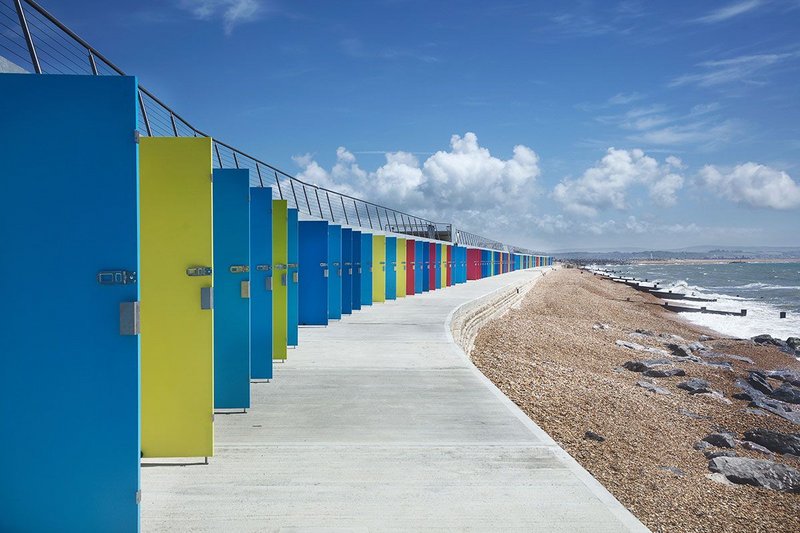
(401, 268)
(176, 297)
(379, 268)
(280, 273)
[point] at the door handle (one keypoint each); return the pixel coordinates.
(129, 323)
(268, 284)
(295, 277)
(283, 279)
(244, 289)
(207, 298)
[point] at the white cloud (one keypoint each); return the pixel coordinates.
(742, 69)
(630, 225)
(606, 184)
(753, 184)
(701, 134)
(729, 11)
(465, 184)
(232, 12)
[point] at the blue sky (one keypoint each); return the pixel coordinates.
(548, 124)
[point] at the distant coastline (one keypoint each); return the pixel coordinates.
(712, 261)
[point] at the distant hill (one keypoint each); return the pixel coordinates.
(693, 252)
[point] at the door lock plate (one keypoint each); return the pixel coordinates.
(116, 277)
(199, 271)
(244, 289)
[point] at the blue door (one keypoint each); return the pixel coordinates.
(391, 268)
(356, 296)
(419, 266)
(366, 269)
(347, 271)
(231, 288)
(69, 386)
(293, 291)
(335, 277)
(313, 268)
(261, 283)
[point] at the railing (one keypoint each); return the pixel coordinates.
(35, 40)
(470, 239)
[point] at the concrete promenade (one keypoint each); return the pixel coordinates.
(380, 422)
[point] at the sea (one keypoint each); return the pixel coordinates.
(764, 289)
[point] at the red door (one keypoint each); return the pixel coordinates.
(410, 264)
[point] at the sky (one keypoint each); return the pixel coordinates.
(549, 125)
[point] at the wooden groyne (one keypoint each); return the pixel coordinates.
(653, 288)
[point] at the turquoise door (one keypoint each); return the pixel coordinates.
(231, 288)
(69, 235)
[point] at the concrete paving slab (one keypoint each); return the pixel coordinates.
(379, 422)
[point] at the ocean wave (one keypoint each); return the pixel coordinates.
(764, 286)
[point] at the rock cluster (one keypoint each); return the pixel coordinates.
(748, 471)
(790, 346)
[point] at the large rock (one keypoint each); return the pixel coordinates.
(787, 393)
(752, 446)
(708, 354)
(767, 340)
(680, 350)
(793, 343)
(640, 348)
(712, 454)
(652, 387)
(786, 375)
(664, 372)
(758, 380)
(720, 440)
(774, 441)
(695, 386)
(757, 472)
(641, 366)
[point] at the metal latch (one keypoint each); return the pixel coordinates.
(268, 284)
(263, 268)
(324, 269)
(295, 277)
(207, 298)
(244, 289)
(116, 277)
(199, 271)
(239, 269)
(138, 497)
(283, 279)
(129, 323)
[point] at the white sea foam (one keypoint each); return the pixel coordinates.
(761, 317)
